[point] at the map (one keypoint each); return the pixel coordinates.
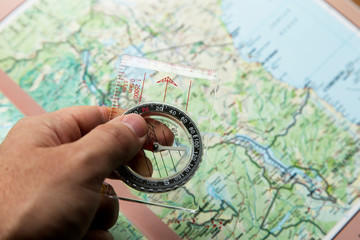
(284, 157)
(9, 116)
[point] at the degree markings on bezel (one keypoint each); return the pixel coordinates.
(146, 184)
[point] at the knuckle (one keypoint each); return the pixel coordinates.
(28, 123)
(107, 147)
(25, 121)
(121, 137)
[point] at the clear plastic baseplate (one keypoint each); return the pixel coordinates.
(179, 97)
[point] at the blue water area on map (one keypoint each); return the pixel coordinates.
(281, 223)
(125, 2)
(85, 56)
(109, 42)
(268, 156)
(301, 43)
(134, 50)
(266, 153)
(212, 192)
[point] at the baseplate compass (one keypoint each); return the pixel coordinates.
(177, 103)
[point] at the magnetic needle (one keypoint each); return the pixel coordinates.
(174, 160)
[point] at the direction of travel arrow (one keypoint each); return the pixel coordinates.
(167, 80)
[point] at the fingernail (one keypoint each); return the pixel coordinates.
(135, 123)
(107, 190)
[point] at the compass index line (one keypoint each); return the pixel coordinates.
(187, 102)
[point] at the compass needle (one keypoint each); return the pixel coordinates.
(158, 148)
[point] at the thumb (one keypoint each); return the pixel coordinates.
(111, 144)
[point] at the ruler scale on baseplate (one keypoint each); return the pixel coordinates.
(174, 99)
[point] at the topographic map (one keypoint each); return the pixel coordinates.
(284, 157)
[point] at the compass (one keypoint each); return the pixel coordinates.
(175, 159)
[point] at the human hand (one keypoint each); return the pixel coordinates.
(52, 168)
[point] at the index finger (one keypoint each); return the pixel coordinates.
(86, 117)
(62, 126)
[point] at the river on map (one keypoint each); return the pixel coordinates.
(315, 184)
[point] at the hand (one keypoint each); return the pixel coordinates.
(52, 168)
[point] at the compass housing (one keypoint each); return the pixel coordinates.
(188, 160)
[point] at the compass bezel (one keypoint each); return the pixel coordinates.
(152, 185)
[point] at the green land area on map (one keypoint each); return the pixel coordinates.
(281, 162)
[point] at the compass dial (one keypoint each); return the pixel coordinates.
(174, 160)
